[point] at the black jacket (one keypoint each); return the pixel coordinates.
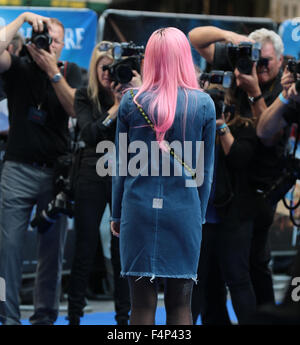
(234, 195)
(91, 129)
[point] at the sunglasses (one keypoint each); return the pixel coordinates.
(105, 46)
(115, 47)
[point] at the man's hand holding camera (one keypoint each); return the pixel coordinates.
(293, 93)
(45, 60)
(288, 83)
(272, 120)
(248, 82)
(35, 20)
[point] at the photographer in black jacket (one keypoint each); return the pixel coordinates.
(40, 100)
(96, 108)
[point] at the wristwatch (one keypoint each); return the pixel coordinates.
(252, 100)
(56, 78)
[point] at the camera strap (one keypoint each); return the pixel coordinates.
(171, 150)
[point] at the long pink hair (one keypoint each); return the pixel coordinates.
(168, 64)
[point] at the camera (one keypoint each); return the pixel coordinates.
(127, 49)
(217, 77)
(42, 40)
(243, 55)
(63, 202)
(293, 66)
(128, 57)
(288, 178)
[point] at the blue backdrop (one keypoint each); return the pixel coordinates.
(289, 31)
(80, 29)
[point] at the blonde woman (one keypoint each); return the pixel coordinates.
(96, 108)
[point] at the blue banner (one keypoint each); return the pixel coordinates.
(289, 31)
(80, 29)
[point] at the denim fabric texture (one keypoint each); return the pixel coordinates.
(161, 218)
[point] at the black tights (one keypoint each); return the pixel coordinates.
(177, 296)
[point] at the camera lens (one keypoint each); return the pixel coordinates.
(41, 42)
(227, 80)
(123, 73)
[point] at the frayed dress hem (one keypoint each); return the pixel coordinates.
(152, 276)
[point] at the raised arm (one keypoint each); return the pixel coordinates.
(203, 38)
(7, 33)
(271, 121)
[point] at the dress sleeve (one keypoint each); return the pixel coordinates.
(209, 133)
(121, 143)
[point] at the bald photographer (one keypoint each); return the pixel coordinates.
(40, 91)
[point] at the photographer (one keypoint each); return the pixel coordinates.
(272, 120)
(225, 248)
(40, 101)
(96, 109)
(280, 115)
(257, 90)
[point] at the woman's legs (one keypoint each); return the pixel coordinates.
(178, 296)
(90, 202)
(233, 248)
(143, 295)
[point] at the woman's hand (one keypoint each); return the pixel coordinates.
(136, 80)
(115, 228)
(220, 121)
(117, 94)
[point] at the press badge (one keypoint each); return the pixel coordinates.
(37, 115)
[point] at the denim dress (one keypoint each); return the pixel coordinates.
(161, 209)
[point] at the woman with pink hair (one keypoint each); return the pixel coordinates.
(157, 211)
